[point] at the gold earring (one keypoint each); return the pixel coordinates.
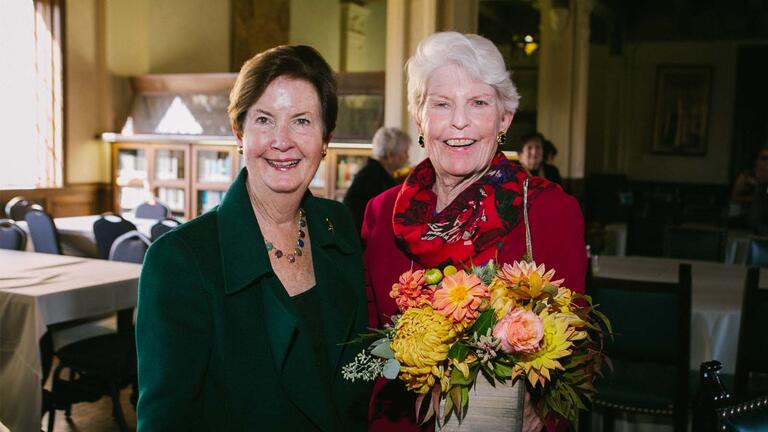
(325, 151)
(240, 149)
(500, 138)
(421, 141)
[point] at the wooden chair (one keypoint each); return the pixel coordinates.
(719, 410)
(705, 244)
(650, 350)
(752, 353)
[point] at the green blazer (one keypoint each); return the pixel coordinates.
(218, 341)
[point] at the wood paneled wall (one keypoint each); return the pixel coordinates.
(72, 200)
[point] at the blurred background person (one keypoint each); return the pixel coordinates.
(531, 157)
(550, 170)
(744, 210)
(390, 153)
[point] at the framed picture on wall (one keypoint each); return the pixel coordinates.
(681, 112)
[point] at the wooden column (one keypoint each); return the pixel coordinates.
(563, 79)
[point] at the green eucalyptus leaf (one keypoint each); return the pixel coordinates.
(384, 351)
(391, 369)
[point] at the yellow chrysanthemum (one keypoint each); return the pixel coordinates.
(527, 281)
(423, 337)
(460, 297)
(556, 344)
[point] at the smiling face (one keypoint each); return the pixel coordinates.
(282, 137)
(460, 120)
(532, 154)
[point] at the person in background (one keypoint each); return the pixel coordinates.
(743, 208)
(245, 312)
(531, 157)
(551, 172)
(390, 153)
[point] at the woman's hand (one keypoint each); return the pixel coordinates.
(531, 420)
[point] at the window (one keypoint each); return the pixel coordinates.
(30, 94)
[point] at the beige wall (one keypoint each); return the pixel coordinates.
(189, 36)
(87, 159)
(622, 97)
(317, 24)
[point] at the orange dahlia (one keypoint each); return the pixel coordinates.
(529, 281)
(461, 297)
(410, 290)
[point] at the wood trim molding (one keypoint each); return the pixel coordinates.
(73, 200)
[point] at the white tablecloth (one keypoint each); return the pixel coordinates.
(38, 290)
(76, 233)
(717, 291)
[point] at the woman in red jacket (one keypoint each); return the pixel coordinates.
(464, 202)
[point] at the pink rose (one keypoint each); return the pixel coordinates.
(519, 331)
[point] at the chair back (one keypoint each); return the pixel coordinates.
(705, 244)
(106, 229)
(45, 236)
(11, 236)
(17, 207)
(163, 226)
(720, 411)
(752, 351)
(757, 255)
(156, 210)
(651, 322)
(656, 334)
(129, 247)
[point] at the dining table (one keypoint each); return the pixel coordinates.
(76, 233)
(40, 291)
(717, 291)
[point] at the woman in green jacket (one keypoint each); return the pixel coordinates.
(243, 312)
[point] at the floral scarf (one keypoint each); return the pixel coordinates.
(473, 227)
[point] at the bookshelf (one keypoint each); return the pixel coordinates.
(192, 178)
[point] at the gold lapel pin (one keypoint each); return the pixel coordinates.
(330, 225)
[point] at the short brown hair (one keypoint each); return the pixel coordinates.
(293, 61)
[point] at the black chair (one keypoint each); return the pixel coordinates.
(130, 247)
(705, 244)
(163, 226)
(106, 229)
(17, 207)
(45, 236)
(11, 236)
(98, 366)
(757, 255)
(752, 352)
(719, 410)
(152, 210)
(650, 350)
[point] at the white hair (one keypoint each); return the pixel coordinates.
(389, 140)
(478, 56)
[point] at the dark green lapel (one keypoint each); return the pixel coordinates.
(333, 254)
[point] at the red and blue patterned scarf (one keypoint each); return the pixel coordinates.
(473, 227)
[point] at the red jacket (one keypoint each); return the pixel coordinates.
(557, 236)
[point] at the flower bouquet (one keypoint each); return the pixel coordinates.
(511, 324)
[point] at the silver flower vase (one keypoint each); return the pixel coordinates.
(490, 408)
